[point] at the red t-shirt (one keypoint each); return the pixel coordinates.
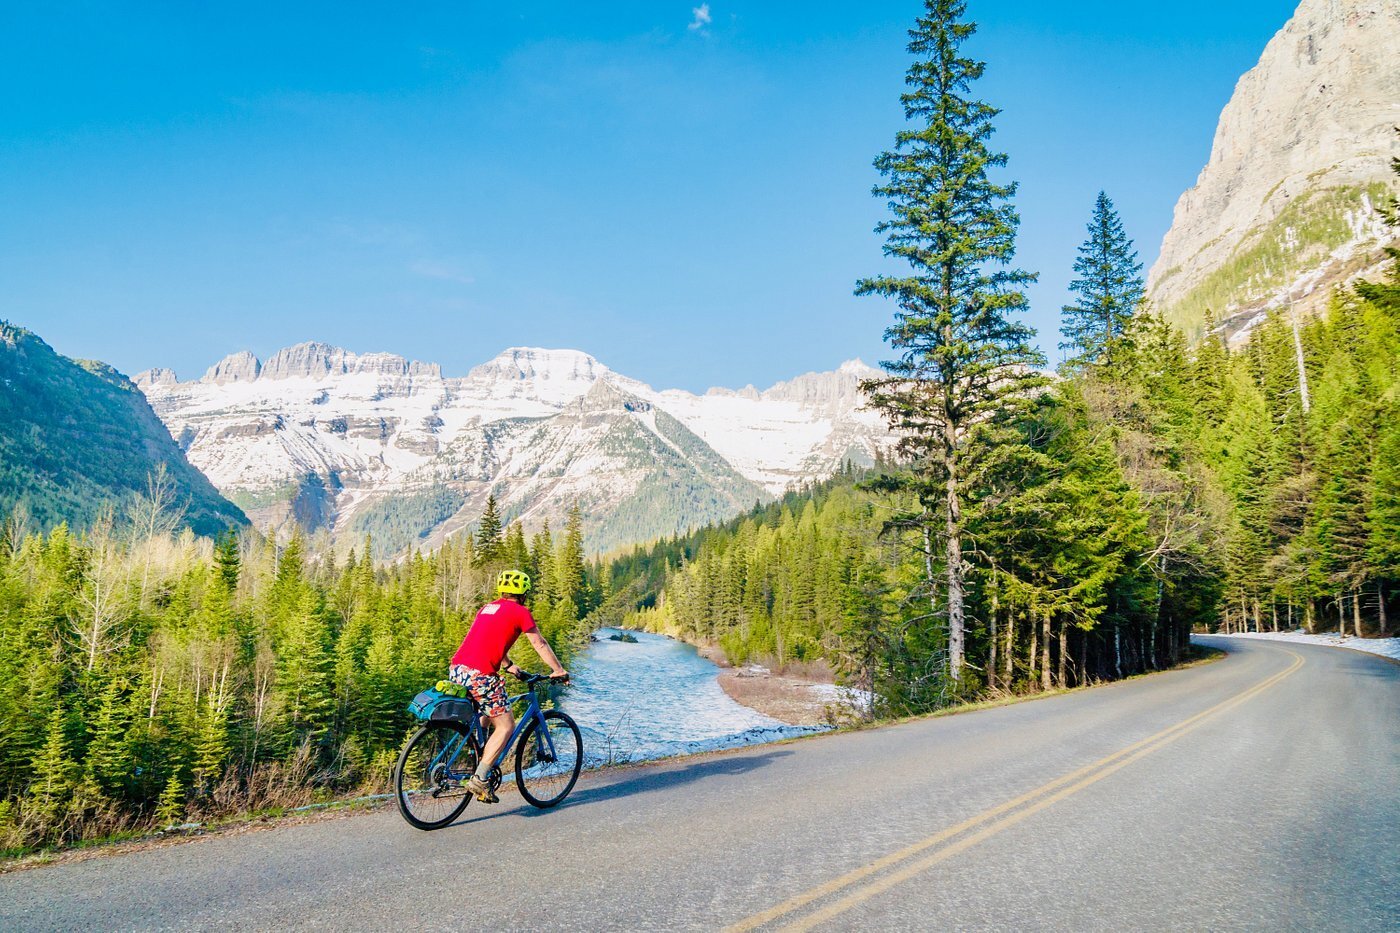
(493, 631)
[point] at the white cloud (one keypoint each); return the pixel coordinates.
(701, 20)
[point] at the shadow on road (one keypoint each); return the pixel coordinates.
(642, 781)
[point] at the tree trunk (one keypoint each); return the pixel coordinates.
(1157, 610)
(1008, 656)
(1034, 652)
(955, 576)
(1302, 369)
(1356, 610)
(1273, 614)
(1308, 617)
(1064, 652)
(1117, 653)
(1045, 651)
(1380, 610)
(992, 648)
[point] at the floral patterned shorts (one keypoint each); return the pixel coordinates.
(486, 689)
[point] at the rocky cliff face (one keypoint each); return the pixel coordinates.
(375, 443)
(1285, 208)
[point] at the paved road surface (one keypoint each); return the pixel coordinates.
(1259, 792)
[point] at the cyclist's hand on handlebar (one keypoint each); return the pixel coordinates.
(560, 676)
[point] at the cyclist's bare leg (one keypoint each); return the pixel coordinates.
(501, 728)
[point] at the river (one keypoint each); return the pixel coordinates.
(657, 698)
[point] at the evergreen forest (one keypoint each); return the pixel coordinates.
(150, 678)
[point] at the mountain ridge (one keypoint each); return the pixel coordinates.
(77, 437)
(355, 442)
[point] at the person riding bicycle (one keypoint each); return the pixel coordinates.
(483, 651)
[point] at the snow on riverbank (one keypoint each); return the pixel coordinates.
(1385, 647)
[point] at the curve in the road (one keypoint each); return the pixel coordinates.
(1029, 803)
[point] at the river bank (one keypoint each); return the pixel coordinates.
(798, 701)
(802, 695)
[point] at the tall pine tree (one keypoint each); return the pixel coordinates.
(1110, 289)
(964, 362)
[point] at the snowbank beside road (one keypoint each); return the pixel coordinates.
(1385, 647)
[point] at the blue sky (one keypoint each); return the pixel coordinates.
(684, 196)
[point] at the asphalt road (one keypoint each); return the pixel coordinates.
(1258, 792)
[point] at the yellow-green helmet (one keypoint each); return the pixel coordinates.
(516, 582)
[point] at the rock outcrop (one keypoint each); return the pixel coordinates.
(1285, 208)
(242, 366)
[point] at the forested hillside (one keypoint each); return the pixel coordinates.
(1173, 489)
(151, 679)
(77, 438)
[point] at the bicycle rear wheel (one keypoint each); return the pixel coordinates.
(431, 773)
(545, 779)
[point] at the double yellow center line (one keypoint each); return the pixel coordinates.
(890, 870)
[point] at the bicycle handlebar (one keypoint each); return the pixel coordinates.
(530, 680)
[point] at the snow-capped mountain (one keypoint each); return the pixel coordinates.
(373, 442)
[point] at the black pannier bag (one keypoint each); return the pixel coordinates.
(453, 709)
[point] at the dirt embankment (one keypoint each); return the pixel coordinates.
(797, 694)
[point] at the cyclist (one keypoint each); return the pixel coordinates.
(482, 654)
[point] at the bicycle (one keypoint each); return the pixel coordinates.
(434, 766)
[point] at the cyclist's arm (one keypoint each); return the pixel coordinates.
(546, 653)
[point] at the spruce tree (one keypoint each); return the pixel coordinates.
(1110, 288)
(227, 558)
(488, 535)
(964, 362)
(171, 808)
(570, 581)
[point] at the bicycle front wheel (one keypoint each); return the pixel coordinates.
(547, 763)
(431, 773)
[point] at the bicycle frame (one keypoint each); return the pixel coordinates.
(544, 742)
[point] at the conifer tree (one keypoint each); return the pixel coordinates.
(53, 773)
(227, 558)
(542, 567)
(1110, 289)
(569, 571)
(171, 807)
(107, 755)
(514, 550)
(488, 535)
(964, 361)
